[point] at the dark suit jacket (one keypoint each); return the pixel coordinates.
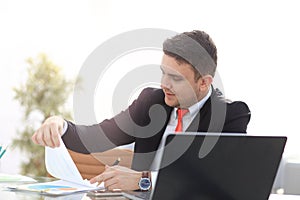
(144, 123)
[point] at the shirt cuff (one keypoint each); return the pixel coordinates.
(65, 127)
(153, 178)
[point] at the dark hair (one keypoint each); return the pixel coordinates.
(195, 48)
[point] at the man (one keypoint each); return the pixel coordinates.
(188, 67)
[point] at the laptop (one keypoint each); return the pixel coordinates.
(216, 166)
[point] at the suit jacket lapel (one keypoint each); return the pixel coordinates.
(211, 117)
(201, 121)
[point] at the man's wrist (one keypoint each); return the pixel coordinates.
(145, 181)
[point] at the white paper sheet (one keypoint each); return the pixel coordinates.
(56, 188)
(60, 165)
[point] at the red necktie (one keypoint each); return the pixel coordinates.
(180, 114)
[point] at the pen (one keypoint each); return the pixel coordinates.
(117, 161)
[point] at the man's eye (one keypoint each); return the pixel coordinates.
(177, 78)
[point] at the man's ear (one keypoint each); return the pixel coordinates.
(205, 82)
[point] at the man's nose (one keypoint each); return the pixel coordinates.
(165, 82)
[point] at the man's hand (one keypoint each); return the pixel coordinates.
(118, 177)
(50, 132)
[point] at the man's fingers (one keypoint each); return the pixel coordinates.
(33, 138)
(49, 133)
(102, 177)
(98, 179)
(111, 183)
(46, 137)
(39, 138)
(118, 177)
(55, 134)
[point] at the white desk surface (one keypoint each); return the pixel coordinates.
(284, 197)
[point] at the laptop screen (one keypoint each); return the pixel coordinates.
(213, 166)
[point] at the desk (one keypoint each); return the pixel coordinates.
(18, 195)
(21, 195)
(284, 197)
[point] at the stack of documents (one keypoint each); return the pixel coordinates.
(60, 165)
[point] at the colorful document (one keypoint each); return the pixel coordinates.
(60, 165)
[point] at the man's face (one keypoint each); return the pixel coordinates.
(178, 83)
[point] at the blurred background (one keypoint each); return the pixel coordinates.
(258, 45)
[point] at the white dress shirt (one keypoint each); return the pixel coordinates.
(186, 121)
